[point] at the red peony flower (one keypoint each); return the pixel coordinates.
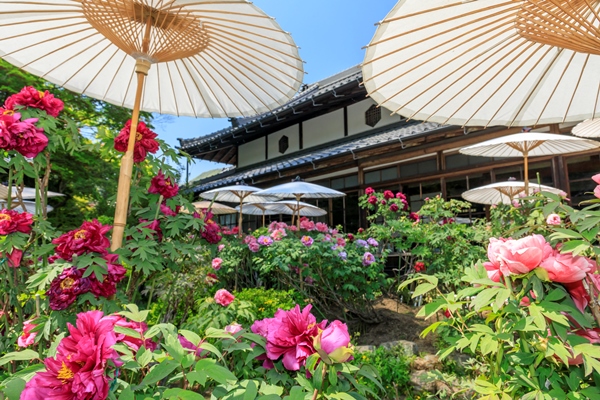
(393, 207)
(211, 279)
(27, 138)
(31, 97)
(65, 288)
(167, 211)
(7, 142)
(14, 258)
(90, 238)
(211, 231)
(12, 221)
(419, 266)
(115, 274)
(144, 141)
(162, 186)
(28, 337)
(372, 200)
(388, 194)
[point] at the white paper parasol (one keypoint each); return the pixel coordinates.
(503, 192)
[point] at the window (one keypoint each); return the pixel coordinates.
(418, 168)
(581, 169)
(457, 161)
(381, 175)
(373, 116)
(416, 193)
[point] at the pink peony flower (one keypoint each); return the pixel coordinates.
(372, 200)
(223, 297)
(307, 224)
(322, 227)
(166, 210)
(388, 194)
(264, 241)
(233, 328)
(216, 263)
(12, 221)
(566, 268)
(596, 178)
(28, 337)
(31, 97)
(89, 238)
(278, 234)
(592, 335)
(133, 342)
(27, 138)
(14, 258)
(341, 242)
(290, 334)
(79, 369)
(369, 191)
(597, 191)
(519, 256)
(334, 343)
(186, 344)
(220, 247)
(145, 141)
(553, 219)
(254, 247)
(163, 186)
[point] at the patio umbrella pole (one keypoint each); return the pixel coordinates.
(298, 209)
(142, 67)
(526, 172)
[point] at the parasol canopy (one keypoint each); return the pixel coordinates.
(199, 58)
(529, 144)
(237, 194)
(24, 206)
(215, 208)
(503, 192)
(590, 128)
(487, 62)
(26, 193)
(298, 189)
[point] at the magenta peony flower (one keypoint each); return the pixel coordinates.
(154, 226)
(27, 138)
(211, 232)
(333, 343)
(394, 207)
(254, 247)
(65, 288)
(186, 344)
(145, 141)
(290, 334)
(7, 118)
(78, 371)
(553, 219)
(31, 97)
(372, 200)
(566, 268)
(133, 342)
(387, 194)
(12, 221)
(166, 210)
(372, 242)
(28, 337)
(14, 258)
(233, 328)
(307, 241)
(163, 186)
(89, 238)
(223, 297)
(341, 242)
(369, 191)
(414, 216)
(264, 241)
(368, 259)
(216, 263)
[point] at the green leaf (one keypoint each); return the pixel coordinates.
(182, 394)
(575, 246)
(19, 356)
(251, 391)
(423, 288)
(158, 372)
(127, 331)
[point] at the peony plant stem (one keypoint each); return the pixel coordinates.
(324, 374)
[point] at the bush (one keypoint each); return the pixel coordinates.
(265, 302)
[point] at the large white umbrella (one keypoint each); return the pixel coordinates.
(529, 144)
(290, 207)
(590, 128)
(237, 194)
(26, 193)
(298, 189)
(24, 206)
(258, 209)
(200, 58)
(503, 192)
(487, 62)
(215, 208)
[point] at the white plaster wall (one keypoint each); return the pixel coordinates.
(251, 152)
(356, 117)
(323, 129)
(292, 132)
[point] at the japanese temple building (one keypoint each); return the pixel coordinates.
(331, 133)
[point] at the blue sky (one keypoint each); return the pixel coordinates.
(331, 35)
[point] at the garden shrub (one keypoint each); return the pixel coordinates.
(265, 302)
(393, 367)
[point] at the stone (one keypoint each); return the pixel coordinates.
(427, 363)
(410, 348)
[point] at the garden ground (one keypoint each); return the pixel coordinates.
(398, 322)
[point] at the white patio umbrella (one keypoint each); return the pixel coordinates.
(503, 192)
(215, 208)
(258, 209)
(26, 193)
(487, 62)
(237, 194)
(199, 58)
(24, 206)
(529, 144)
(590, 128)
(298, 189)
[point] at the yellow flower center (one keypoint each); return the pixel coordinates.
(41, 94)
(82, 234)
(67, 283)
(138, 137)
(5, 217)
(9, 112)
(64, 374)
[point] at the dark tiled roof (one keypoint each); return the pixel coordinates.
(350, 145)
(308, 95)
